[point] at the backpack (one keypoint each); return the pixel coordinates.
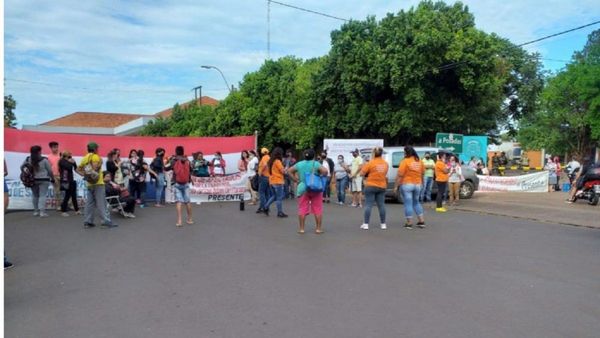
(89, 174)
(139, 174)
(181, 171)
(27, 174)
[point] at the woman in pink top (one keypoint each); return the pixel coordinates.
(243, 161)
(54, 158)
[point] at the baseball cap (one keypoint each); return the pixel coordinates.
(92, 145)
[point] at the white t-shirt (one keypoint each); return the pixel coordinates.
(326, 165)
(252, 166)
(574, 165)
(218, 170)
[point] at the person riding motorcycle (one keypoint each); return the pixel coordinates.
(587, 173)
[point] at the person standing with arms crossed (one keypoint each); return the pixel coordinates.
(356, 179)
(441, 180)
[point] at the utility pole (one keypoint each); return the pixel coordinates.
(198, 93)
(268, 29)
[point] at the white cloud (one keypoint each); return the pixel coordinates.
(148, 47)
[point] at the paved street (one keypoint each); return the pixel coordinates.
(238, 274)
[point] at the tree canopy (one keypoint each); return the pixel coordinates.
(10, 120)
(569, 120)
(402, 78)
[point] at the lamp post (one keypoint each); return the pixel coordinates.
(223, 76)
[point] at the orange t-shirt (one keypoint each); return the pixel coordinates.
(276, 173)
(263, 170)
(440, 176)
(411, 171)
(377, 169)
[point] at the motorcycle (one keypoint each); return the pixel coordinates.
(590, 192)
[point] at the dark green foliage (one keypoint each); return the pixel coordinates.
(569, 121)
(10, 120)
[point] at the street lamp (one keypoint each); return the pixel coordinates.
(218, 70)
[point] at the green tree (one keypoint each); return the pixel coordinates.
(569, 121)
(190, 120)
(275, 101)
(10, 120)
(422, 71)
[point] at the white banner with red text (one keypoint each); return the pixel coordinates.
(211, 189)
(536, 182)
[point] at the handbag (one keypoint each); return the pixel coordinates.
(124, 193)
(254, 182)
(314, 182)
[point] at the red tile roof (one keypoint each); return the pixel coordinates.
(206, 100)
(95, 120)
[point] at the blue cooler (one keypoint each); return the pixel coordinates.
(566, 187)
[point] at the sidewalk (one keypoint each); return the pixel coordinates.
(544, 207)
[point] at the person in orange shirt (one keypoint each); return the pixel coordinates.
(263, 180)
(441, 179)
(376, 173)
(410, 178)
(276, 181)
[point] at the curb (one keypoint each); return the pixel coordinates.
(527, 218)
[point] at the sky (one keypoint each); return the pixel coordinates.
(143, 56)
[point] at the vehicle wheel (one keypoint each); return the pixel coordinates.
(466, 190)
(594, 199)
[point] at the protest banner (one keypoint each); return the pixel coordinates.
(537, 182)
(17, 144)
(344, 147)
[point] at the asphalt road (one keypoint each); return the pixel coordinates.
(238, 274)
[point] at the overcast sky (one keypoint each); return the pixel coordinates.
(63, 56)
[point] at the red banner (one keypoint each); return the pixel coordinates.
(20, 141)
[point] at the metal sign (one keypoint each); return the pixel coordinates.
(450, 142)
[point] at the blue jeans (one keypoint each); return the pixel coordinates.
(327, 191)
(410, 194)
(277, 197)
(287, 188)
(374, 195)
(340, 187)
(160, 187)
(426, 189)
(264, 191)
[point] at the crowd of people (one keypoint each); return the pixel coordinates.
(117, 177)
(272, 177)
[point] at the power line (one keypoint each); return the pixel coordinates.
(457, 64)
(557, 34)
(308, 10)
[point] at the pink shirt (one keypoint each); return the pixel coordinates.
(53, 159)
